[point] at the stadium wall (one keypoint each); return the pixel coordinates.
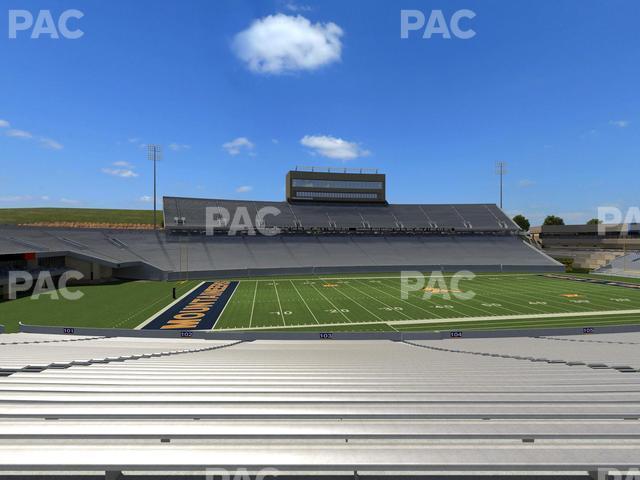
(272, 272)
(249, 336)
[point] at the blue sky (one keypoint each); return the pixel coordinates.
(238, 92)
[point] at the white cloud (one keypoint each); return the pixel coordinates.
(332, 147)
(234, 147)
(120, 172)
(619, 123)
(244, 189)
(146, 199)
(526, 183)
(125, 170)
(15, 133)
(281, 43)
(176, 147)
(69, 201)
(52, 144)
(25, 135)
(137, 142)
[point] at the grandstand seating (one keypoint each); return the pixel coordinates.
(465, 217)
(554, 404)
(323, 238)
(148, 254)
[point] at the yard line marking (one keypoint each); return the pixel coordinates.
(532, 294)
(253, 305)
(225, 306)
(470, 305)
(356, 302)
(332, 304)
(408, 302)
(541, 284)
(305, 302)
(491, 292)
(279, 304)
(152, 317)
(379, 301)
(589, 288)
(445, 275)
(587, 315)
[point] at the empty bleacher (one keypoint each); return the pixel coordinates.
(148, 254)
(490, 406)
(468, 217)
(312, 237)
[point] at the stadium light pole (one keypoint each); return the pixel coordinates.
(154, 152)
(501, 170)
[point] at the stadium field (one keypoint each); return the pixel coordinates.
(117, 305)
(374, 303)
(348, 302)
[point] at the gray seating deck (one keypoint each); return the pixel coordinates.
(464, 217)
(160, 256)
(322, 407)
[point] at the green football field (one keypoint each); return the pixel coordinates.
(349, 303)
(361, 303)
(117, 305)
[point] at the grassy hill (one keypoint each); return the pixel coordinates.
(15, 216)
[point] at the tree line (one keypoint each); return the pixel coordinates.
(524, 224)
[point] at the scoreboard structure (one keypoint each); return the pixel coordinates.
(337, 185)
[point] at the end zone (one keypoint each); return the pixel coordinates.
(198, 309)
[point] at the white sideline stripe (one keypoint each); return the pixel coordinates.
(466, 319)
(226, 304)
(446, 275)
(157, 314)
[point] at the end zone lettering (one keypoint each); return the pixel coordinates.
(198, 310)
(191, 315)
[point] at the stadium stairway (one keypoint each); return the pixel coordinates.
(329, 407)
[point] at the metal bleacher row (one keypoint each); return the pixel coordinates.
(492, 406)
(190, 213)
